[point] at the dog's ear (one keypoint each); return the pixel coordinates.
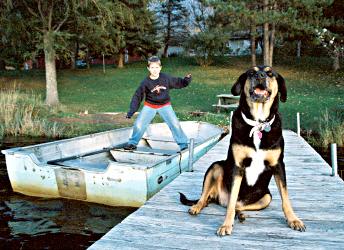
(239, 84)
(282, 89)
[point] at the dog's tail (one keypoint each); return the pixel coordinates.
(186, 201)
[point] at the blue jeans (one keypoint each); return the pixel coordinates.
(167, 114)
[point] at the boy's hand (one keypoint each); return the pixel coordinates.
(188, 75)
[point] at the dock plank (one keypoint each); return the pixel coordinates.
(164, 223)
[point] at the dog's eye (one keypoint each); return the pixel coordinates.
(269, 73)
(250, 73)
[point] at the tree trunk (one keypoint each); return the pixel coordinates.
(165, 54)
(74, 56)
(335, 65)
(120, 60)
(168, 35)
(298, 49)
(266, 44)
(253, 45)
(72, 60)
(52, 97)
(272, 42)
(88, 58)
(2, 64)
(266, 35)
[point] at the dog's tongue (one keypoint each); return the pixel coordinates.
(259, 91)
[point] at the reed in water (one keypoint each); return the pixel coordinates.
(24, 113)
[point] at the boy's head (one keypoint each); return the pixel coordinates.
(154, 66)
(153, 59)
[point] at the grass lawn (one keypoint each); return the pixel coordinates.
(312, 88)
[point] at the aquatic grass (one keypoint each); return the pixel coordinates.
(331, 129)
(2, 130)
(22, 113)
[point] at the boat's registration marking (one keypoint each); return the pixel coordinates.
(71, 183)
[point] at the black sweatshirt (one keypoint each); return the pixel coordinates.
(156, 91)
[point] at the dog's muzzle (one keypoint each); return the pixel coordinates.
(259, 92)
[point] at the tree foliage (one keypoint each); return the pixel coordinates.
(207, 39)
(206, 45)
(270, 20)
(331, 36)
(16, 39)
(57, 28)
(173, 17)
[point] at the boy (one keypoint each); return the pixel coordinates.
(156, 88)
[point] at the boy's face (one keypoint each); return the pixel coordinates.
(154, 69)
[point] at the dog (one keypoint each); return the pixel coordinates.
(255, 153)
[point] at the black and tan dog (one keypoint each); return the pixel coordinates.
(255, 153)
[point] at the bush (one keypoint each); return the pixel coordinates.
(206, 45)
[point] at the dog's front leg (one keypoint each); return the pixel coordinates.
(227, 226)
(293, 221)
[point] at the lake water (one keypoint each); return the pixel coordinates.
(326, 155)
(38, 223)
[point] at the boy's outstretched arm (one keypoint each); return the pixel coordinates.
(178, 83)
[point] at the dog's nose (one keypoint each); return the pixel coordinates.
(261, 75)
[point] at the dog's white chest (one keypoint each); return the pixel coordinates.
(256, 168)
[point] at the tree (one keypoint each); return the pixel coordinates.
(143, 40)
(333, 44)
(207, 45)
(332, 36)
(138, 35)
(46, 18)
(15, 38)
(173, 16)
(200, 16)
(53, 24)
(271, 15)
(116, 29)
(130, 26)
(207, 39)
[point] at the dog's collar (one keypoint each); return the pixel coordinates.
(258, 126)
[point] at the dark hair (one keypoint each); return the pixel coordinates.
(153, 59)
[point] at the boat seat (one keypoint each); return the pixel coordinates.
(140, 156)
(81, 163)
(97, 166)
(154, 151)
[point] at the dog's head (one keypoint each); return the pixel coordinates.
(261, 84)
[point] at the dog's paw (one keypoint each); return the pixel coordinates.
(241, 217)
(194, 210)
(224, 230)
(297, 224)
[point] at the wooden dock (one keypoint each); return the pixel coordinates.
(316, 196)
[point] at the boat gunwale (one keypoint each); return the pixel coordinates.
(25, 150)
(21, 150)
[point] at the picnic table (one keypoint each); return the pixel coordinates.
(226, 101)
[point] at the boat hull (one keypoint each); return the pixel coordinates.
(123, 179)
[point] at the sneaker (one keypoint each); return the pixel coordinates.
(130, 147)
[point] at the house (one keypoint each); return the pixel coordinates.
(241, 47)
